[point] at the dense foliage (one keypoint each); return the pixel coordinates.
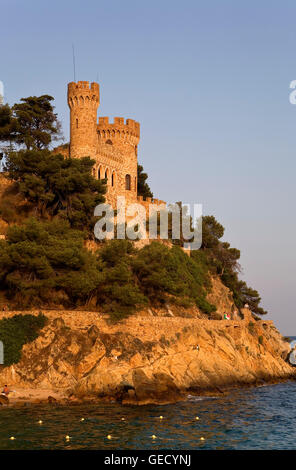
(223, 260)
(43, 260)
(57, 186)
(17, 331)
(44, 263)
(31, 123)
(119, 292)
(169, 274)
(143, 187)
(38, 259)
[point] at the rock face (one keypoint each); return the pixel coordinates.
(148, 359)
(4, 400)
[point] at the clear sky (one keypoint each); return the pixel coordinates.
(209, 82)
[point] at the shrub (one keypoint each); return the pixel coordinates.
(57, 186)
(17, 331)
(223, 260)
(40, 259)
(169, 274)
(251, 326)
(118, 293)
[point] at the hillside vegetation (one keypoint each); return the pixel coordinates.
(48, 208)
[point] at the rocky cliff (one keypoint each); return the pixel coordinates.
(147, 359)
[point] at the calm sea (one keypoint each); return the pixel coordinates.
(259, 418)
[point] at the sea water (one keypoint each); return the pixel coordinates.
(256, 418)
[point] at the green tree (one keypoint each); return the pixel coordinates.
(212, 231)
(6, 126)
(223, 260)
(57, 186)
(168, 274)
(31, 123)
(118, 292)
(143, 187)
(46, 263)
(242, 294)
(17, 331)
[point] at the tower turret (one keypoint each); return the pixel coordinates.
(83, 101)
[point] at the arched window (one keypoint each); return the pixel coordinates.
(112, 179)
(94, 172)
(76, 123)
(109, 142)
(128, 182)
(99, 173)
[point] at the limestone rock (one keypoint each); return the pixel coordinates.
(147, 359)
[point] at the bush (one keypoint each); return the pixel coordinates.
(223, 261)
(251, 327)
(17, 331)
(118, 293)
(169, 274)
(40, 259)
(45, 263)
(57, 186)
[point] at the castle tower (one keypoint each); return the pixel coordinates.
(118, 153)
(83, 101)
(112, 145)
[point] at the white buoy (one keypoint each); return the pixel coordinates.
(161, 417)
(40, 421)
(202, 438)
(12, 438)
(197, 418)
(82, 419)
(153, 436)
(109, 436)
(67, 438)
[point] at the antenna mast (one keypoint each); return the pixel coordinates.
(74, 69)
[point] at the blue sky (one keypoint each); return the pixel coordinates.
(209, 83)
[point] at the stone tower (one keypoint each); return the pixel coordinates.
(83, 101)
(113, 145)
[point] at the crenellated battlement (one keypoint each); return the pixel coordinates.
(157, 203)
(83, 85)
(119, 126)
(83, 93)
